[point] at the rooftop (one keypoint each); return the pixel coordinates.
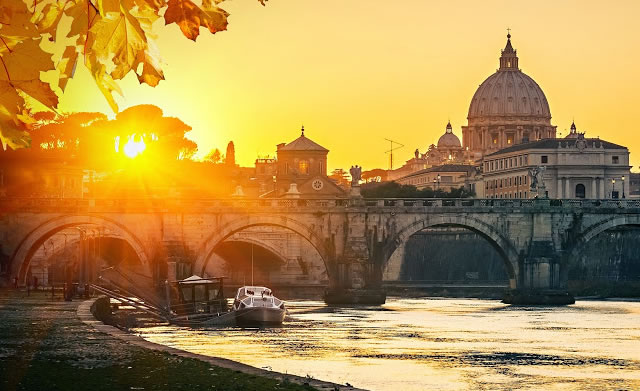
(554, 143)
(469, 169)
(303, 143)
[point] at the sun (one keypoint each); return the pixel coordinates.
(134, 148)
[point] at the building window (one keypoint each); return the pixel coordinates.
(615, 160)
(526, 159)
(544, 159)
(520, 160)
(580, 191)
(303, 167)
(500, 163)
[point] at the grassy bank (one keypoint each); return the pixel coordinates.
(43, 346)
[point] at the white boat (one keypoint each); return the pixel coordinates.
(256, 305)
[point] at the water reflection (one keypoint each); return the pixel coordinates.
(439, 344)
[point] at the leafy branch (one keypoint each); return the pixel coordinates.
(113, 37)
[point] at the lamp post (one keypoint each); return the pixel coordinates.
(623, 196)
(438, 180)
(434, 187)
(613, 187)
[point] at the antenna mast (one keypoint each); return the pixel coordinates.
(390, 151)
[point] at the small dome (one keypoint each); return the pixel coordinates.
(573, 132)
(448, 139)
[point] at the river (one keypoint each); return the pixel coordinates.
(438, 344)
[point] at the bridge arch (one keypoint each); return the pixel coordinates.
(28, 246)
(209, 245)
(503, 246)
(262, 243)
(597, 228)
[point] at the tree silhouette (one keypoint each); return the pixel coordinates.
(94, 141)
(230, 158)
(213, 156)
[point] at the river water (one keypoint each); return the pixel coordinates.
(438, 344)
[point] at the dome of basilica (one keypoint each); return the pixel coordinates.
(448, 139)
(509, 93)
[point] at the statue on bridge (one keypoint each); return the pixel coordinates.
(537, 180)
(356, 175)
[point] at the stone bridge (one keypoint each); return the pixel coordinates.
(355, 238)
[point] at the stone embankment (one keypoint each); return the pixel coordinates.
(45, 346)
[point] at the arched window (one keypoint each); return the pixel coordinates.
(580, 191)
(303, 167)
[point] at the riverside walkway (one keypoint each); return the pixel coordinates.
(44, 346)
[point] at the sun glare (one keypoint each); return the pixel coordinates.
(133, 148)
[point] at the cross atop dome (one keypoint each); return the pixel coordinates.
(508, 58)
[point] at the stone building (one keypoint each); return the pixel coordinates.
(509, 133)
(41, 178)
(508, 108)
(447, 151)
(444, 177)
(301, 170)
(634, 185)
(571, 167)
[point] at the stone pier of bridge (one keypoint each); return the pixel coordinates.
(354, 241)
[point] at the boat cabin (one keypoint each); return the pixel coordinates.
(197, 295)
(247, 291)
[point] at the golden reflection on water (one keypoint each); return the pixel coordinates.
(438, 344)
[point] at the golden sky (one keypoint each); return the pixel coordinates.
(355, 72)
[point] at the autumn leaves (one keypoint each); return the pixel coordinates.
(111, 37)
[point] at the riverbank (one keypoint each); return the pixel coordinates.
(44, 346)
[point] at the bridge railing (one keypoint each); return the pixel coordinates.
(48, 204)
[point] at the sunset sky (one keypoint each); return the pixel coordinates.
(355, 72)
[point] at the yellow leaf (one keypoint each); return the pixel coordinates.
(83, 16)
(15, 21)
(215, 18)
(47, 20)
(10, 101)
(107, 6)
(67, 66)
(189, 17)
(154, 4)
(25, 62)
(105, 82)
(120, 35)
(13, 137)
(39, 91)
(151, 71)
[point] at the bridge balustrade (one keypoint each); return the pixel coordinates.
(69, 204)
